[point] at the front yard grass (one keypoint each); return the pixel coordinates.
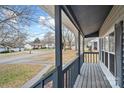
(67, 56)
(15, 75)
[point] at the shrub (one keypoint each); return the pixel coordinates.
(7, 51)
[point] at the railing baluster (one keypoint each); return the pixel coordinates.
(96, 58)
(66, 79)
(42, 83)
(88, 57)
(91, 57)
(69, 78)
(85, 57)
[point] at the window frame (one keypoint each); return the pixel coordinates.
(112, 52)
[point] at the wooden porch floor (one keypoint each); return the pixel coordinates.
(91, 76)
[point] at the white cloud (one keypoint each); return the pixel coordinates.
(41, 18)
(47, 21)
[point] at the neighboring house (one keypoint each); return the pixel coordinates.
(33, 46)
(50, 45)
(40, 46)
(36, 45)
(15, 49)
(94, 44)
(2, 48)
(28, 46)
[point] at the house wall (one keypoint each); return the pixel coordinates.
(115, 16)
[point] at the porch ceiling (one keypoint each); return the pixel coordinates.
(90, 17)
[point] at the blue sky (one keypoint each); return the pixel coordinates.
(37, 30)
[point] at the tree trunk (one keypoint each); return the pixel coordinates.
(19, 49)
(70, 46)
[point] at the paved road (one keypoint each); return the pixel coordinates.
(24, 59)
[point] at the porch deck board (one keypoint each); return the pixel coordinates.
(81, 79)
(92, 76)
(104, 77)
(84, 76)
(97, 82)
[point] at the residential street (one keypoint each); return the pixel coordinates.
(26, 59)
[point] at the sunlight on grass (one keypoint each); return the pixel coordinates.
(4, 55)
(15, 75)
(68, 55)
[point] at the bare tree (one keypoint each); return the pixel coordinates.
(13, 21)
(70, 38)
(67, 35)
(67, 38)
(48, 22)
(49, 39)
(64, 35)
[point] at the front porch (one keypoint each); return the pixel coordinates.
(85, 70)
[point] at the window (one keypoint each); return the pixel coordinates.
(102, 45)
(112, 42)
(27, 34)
(106, 43)
(81, 44)
(69, 40)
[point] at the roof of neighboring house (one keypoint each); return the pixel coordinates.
(32, 44)
(36, 44)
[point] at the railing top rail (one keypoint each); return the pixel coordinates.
(91, 52)
(47, 75)
(44, 77)
(67, 66)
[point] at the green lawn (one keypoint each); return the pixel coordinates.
(15, 75)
